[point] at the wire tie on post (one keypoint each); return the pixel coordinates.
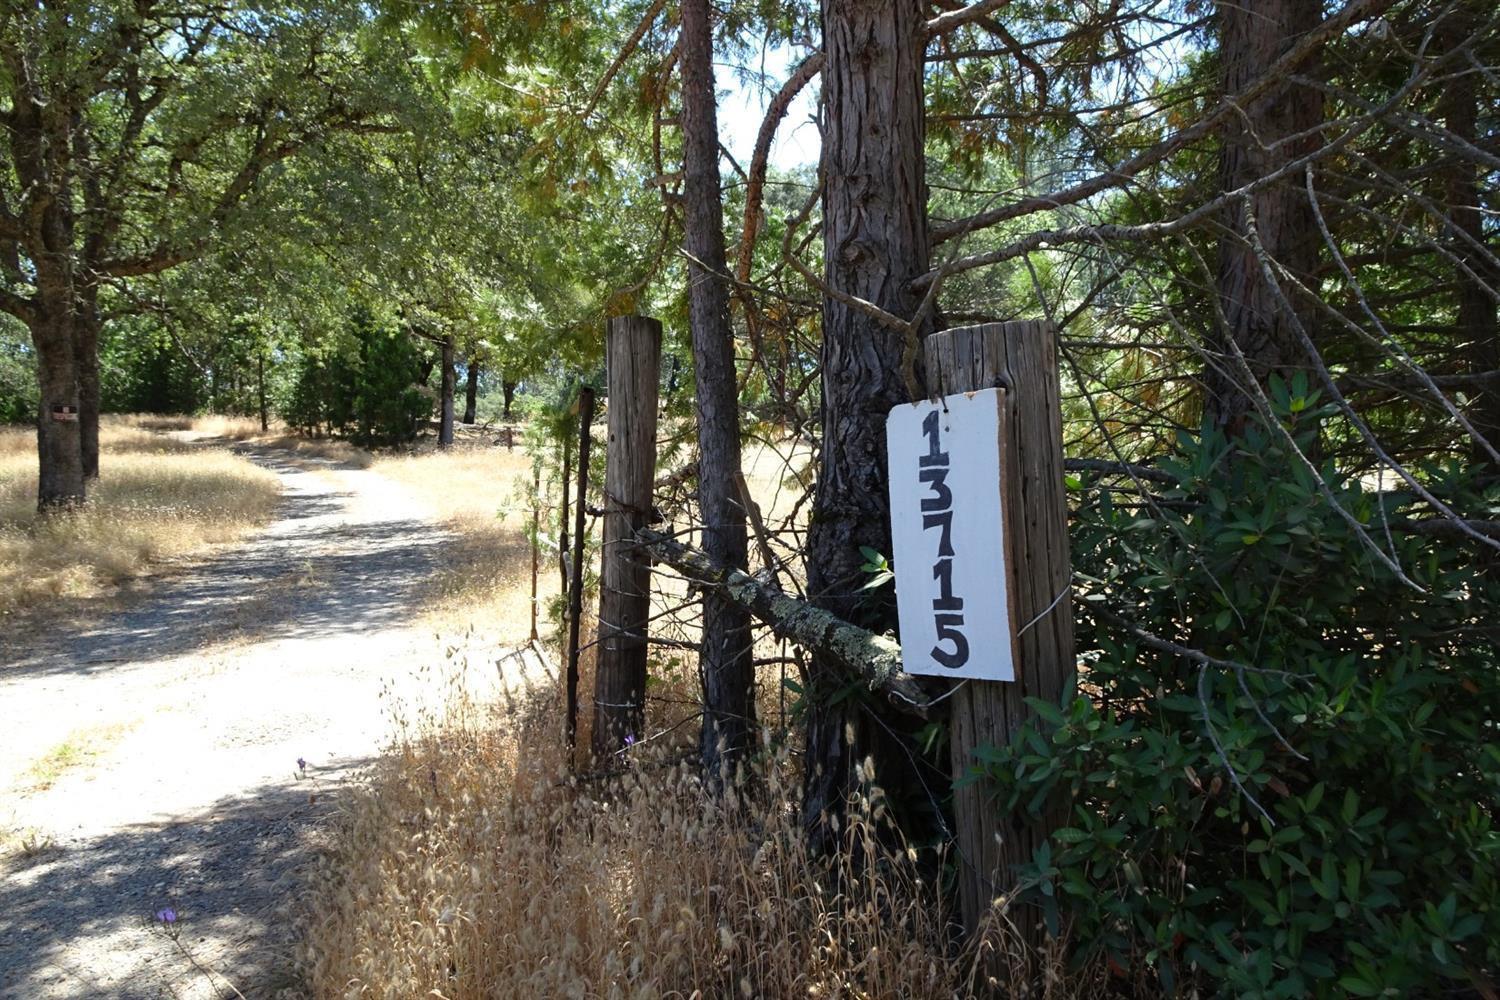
(1047, 610)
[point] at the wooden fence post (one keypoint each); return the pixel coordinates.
(632, 348)
(574, 579)
(1021, 358)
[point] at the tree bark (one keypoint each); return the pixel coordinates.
(445, 413)
(724, 659)
(573, 579)
(508, 396)
(1478, 337)
(41, 145)
(471, 390)
(1256, 326)
(875, 242)
(61, 481)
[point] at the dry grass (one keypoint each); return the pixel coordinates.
(161, 496)
(476, 491)
(208, 426)
(25, 843)
(472, 867)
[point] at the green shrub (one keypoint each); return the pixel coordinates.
(1362, 725)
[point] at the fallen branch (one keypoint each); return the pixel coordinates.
(875, 658)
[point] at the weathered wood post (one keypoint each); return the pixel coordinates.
(585, 409)
(632, 347)
(1021, 358)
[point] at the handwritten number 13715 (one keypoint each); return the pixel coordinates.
(937, 513)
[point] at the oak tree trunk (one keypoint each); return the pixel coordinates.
(508, 397)
(725, 654)
(59, 443)
(1257, 325)
(41, 142)
(471, 391)
(875, 242)
(445, 415)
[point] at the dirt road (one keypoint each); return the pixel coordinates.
(185, 751)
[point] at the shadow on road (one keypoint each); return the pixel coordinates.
(66, 908)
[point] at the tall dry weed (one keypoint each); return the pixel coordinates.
(474, 865)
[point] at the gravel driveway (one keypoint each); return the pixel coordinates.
(155, 756)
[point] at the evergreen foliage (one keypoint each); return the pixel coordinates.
(366, 387)
(1296, 799)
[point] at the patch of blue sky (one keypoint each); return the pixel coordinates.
(743, 100)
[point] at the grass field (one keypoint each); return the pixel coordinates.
(168, 489)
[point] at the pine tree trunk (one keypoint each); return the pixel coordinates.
(1257, 325)
(725, 655)
(445, 415)
(875, 243)
(471, 391)
(1477, 334)
(59, 443)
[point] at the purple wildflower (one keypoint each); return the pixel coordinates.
(630, 739)
(301, 764)
(166, 915)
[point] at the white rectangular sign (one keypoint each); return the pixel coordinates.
(948, 536)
